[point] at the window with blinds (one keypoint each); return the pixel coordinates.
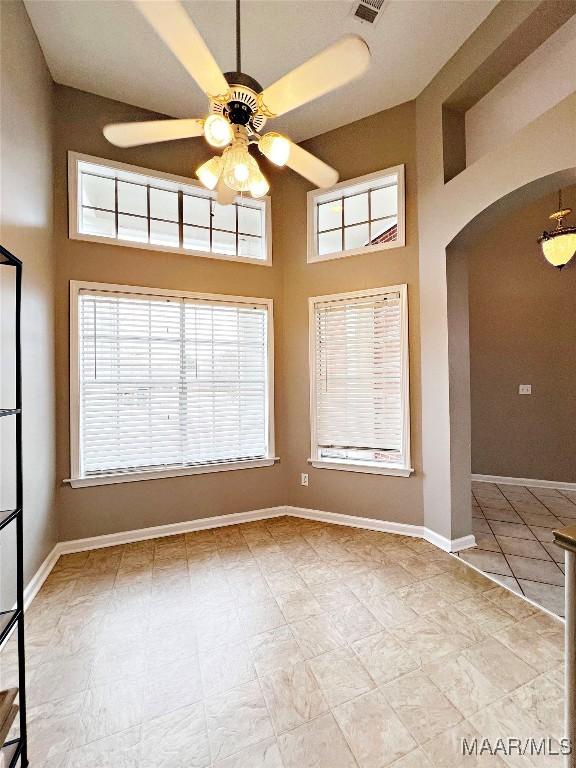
(359, 393)
(170, 382)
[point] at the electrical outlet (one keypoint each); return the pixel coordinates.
(304, 479)
(525, 389)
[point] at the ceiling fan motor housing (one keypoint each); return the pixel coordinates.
(242, 106)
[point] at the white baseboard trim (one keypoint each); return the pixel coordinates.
(524, 481)
(40, 576)
(141, 534)
(384, 526)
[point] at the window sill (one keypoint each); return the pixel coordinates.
(369, 469)
(158, 474)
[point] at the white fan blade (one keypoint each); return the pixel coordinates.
(152, 131)
(333, 67)
(224, 195)
(311, 167)
(170, 21)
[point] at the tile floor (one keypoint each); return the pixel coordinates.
(513, 527)
(283, 644)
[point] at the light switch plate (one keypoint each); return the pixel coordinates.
(525, 389)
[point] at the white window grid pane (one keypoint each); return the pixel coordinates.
(348, 208)
(170, 383)
(233, 231)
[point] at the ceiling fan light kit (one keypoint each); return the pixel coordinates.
(559, 245)
(239, 107)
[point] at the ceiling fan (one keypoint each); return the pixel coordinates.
(239, 107)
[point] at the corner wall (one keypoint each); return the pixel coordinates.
(372, 144)
(26, 230)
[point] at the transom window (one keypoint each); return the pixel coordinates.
(366, 214)
(166, 383)
(145, 209)
(359, 392)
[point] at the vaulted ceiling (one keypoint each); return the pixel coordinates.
(105, 47)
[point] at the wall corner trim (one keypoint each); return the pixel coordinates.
(525, 482)
(141, 534)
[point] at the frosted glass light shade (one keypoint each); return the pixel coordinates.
(275, 147)
(259, 186)
(218, 131)
(240, 168)
(559, 246)
(210, 172)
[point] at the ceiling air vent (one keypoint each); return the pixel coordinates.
(368, 11)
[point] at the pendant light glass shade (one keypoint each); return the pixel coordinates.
(559, 245)
(240, 168)
(259, 186)
(218, 131)
(210, 172)
(275, 147)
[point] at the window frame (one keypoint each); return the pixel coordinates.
(317, 196)
(398, 470)
(77, 479)
(74, 158)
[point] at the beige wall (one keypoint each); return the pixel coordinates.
(26, 230)
(371, 144)
(108, 509)
(543, 148)
(387, 139)
(522, 331)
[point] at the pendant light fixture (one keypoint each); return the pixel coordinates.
(559, 245)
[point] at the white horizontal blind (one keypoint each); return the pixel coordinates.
(170, 382)
(358, 379)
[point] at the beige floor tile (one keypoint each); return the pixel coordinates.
(384, 657)
(112, 708)
(515, 530)
(390, 609)
(535, 650)
(451, 587)
(318, 744)
(317, 635)
(171, 686)
(218, 626)
(355, 622)
(421, 706)
(375, 734)
(98, 754)
(548, 595)
(263, 755)
(333, 595)
(293, 696)
(499, 665)
(422, 598)
(260, 616)
(58, 680)
(515, 606)
(341, 676)
(274, 649)
(281, 582)
(237, 720)
(463, 684)
(542, 700)
(299, 604)
(451, 749)
(484, 612)
(176, 740)
(56, 727)
(226, 667)
(522, 547)
(426, 641)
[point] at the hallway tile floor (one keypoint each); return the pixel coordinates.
(284, 644)
(513, 527)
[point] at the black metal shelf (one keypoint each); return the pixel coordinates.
(15, 751)
(7, 516)
(11, 751)
(8, 620)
